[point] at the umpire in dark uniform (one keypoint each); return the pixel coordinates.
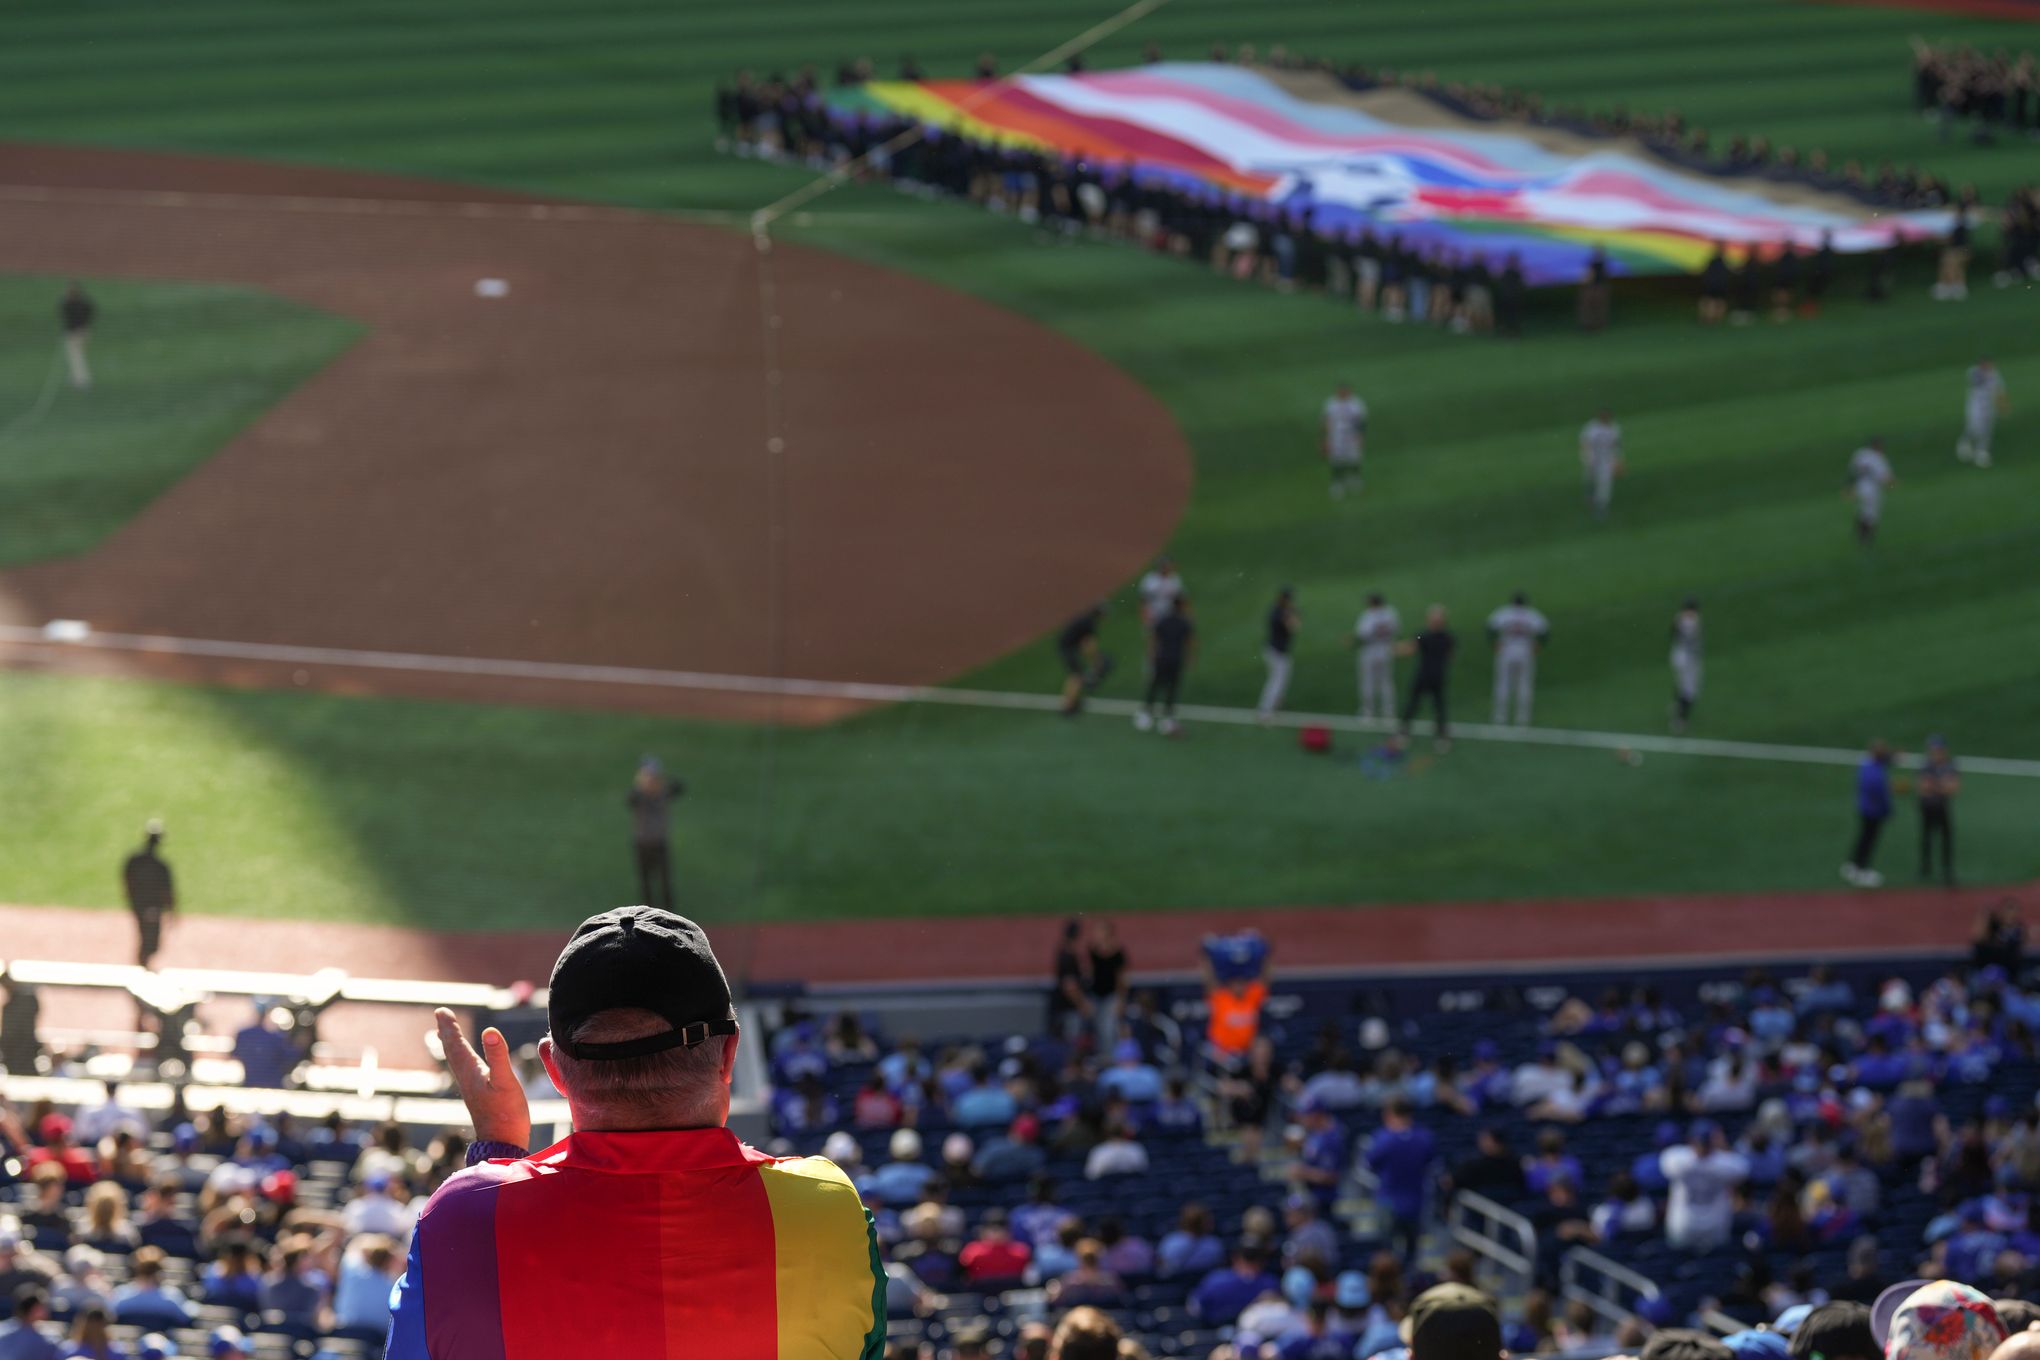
(151, 892)
(1433, 649)
(652, 793)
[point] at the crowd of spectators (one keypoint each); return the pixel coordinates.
(133, 1235)
(1993, 94)
(1771, 1135)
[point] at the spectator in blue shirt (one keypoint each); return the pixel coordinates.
(1402, 1156)
(266, 1054)
(903, 1179)
(1322, 1161)
(19, 1340)
(1035, 1221)
(1131, 1077)
(145, 1301)
(1873, 809)
(1193, 1248)
(1552, 1163)
(984, 1103)
(1176, 1112)
(1648, 1168)
(1013, 1156)
(1223, 1294)
(1310, 1241)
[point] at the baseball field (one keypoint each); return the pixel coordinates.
(308, 431)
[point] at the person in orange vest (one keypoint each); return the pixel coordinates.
(1234, 1004)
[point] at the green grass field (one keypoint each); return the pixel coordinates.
(341, 808)
(179, 369)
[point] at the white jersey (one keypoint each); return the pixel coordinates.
(1517, 629)
(1345, 423)
(1601, 443)
(1986, 389)
(1158, 594)
(1378, 628)
(1870, 472)
(1686, 638)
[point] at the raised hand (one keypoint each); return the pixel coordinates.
(487, 1082)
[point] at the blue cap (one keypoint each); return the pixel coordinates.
(186, 1137)
(262, 1136)
(1127, 1050)
(1667, 1133)
(1789, 1321)
(1702, 1129)
(1758, 1345)
(1298, 1284)
(224, 1339)
(1486, 1050)
(1350, 1290)
(156, 1346)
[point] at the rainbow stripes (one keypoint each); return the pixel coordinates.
(1233, 132)
(658, 1246)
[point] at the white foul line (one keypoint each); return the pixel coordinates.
(857, 691)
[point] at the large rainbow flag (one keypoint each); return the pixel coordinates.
(1305, 142)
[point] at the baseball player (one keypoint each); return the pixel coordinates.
(1518, 633)
(1345, 438)
(1084, 663)
(1869, 475)
(76, 313)
(1375, 636)
(1601, 459)
(1282, 623)
(1171, 647)
(1983, 404)
(1686, 645)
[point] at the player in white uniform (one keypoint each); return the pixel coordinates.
(1375, 636)
(1869, 475)
(1518, 632)
(1345, 438)
(1686, 650)
(1601, 459)
(1158, 592)
(1983, 404)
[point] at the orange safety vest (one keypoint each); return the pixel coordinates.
(1236, 1017)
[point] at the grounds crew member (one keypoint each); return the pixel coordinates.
(649, 1230)
(151, 892)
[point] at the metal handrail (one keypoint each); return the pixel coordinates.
(1477, 1223)
(1611, 1276)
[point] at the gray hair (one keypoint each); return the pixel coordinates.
(681, 1088)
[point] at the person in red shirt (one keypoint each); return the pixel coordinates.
(80, 1166)
(995, 1255)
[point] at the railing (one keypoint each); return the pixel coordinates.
(1498, 1234)
(1611, 1289)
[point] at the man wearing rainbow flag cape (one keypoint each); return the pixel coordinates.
(650, 1231)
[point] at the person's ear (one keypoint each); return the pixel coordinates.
(729, 1058)
(552, 1068)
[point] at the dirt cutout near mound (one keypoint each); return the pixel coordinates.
(577, 472)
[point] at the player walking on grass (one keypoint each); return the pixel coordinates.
(1171, 647)
(1345, 439)
(1873, 810)
(1686, 653)
(1084, 664)
(652, 792)
(1433, 648)
(1282, 623)
(1938, 784)
(1518, 633)
(151, 892)
(1869, 474)
(1158, 592)
(1375, 636)
(76, 313)
(1601, 459)
(1983, 404)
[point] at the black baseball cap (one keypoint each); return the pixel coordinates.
(638, 958)
(1455, 1322)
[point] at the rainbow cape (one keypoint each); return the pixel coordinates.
(1303, 141)
(657, 1246)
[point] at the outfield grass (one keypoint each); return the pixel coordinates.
(1738, 439)
(179, 368)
